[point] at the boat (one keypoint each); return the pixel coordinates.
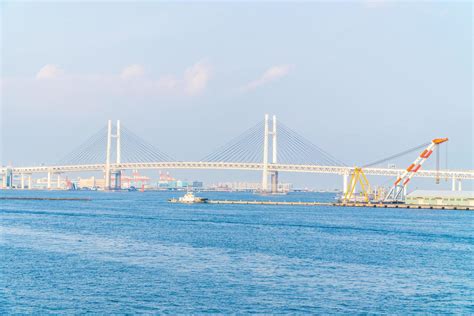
(189, 198)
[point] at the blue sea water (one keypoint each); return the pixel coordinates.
(132, 252)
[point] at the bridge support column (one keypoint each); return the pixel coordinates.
(453, 187)
(345, 179)
(265, 180)
(459, 185)
(49, 180)
(118, 173)
(265, 156)
(118, 180)
(118, 143)
(22, 181)
(9, 178)
(29, 182)
(107, 161)
(274, 179)
(4, 180)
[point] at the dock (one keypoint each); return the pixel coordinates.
(367, 205)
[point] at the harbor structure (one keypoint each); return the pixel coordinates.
(445, 198)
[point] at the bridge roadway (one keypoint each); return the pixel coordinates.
(457, 174)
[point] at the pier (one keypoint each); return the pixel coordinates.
(367, 205)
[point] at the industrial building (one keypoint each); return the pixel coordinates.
(90, 183)
(247, 186)
(445, 198)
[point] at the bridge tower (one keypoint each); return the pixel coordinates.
(117, 173)
(8, 178)
(265, 156)
(265, 173)
(107, 156)
(274, 176)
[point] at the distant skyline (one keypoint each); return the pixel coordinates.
(362, 80)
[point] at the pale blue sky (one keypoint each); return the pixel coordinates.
(362, 80)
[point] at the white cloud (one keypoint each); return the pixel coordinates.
(196, 78)
(168, 83)
(132, 81)
(49, 71)
(271, 74)
(193, 81)
(132, 72)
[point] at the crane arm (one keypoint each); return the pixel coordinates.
(406, 176)
(416, 165)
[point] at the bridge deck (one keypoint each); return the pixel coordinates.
(458, 174)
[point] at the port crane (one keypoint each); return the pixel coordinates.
(397, 192)
(358, 177)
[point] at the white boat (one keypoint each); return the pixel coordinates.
(189, 198)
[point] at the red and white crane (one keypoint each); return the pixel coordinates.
(397, 193)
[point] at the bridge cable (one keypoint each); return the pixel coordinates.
(143, 150)
(82, 153)
(300, 145)
(237, 143)
(236, 146)
(306, 143)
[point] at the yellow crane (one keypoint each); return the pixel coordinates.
(358, 176)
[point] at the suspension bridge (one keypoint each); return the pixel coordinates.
(267, 147)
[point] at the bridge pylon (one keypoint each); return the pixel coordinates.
(107, 171)
(265, 173)
(8, 178)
